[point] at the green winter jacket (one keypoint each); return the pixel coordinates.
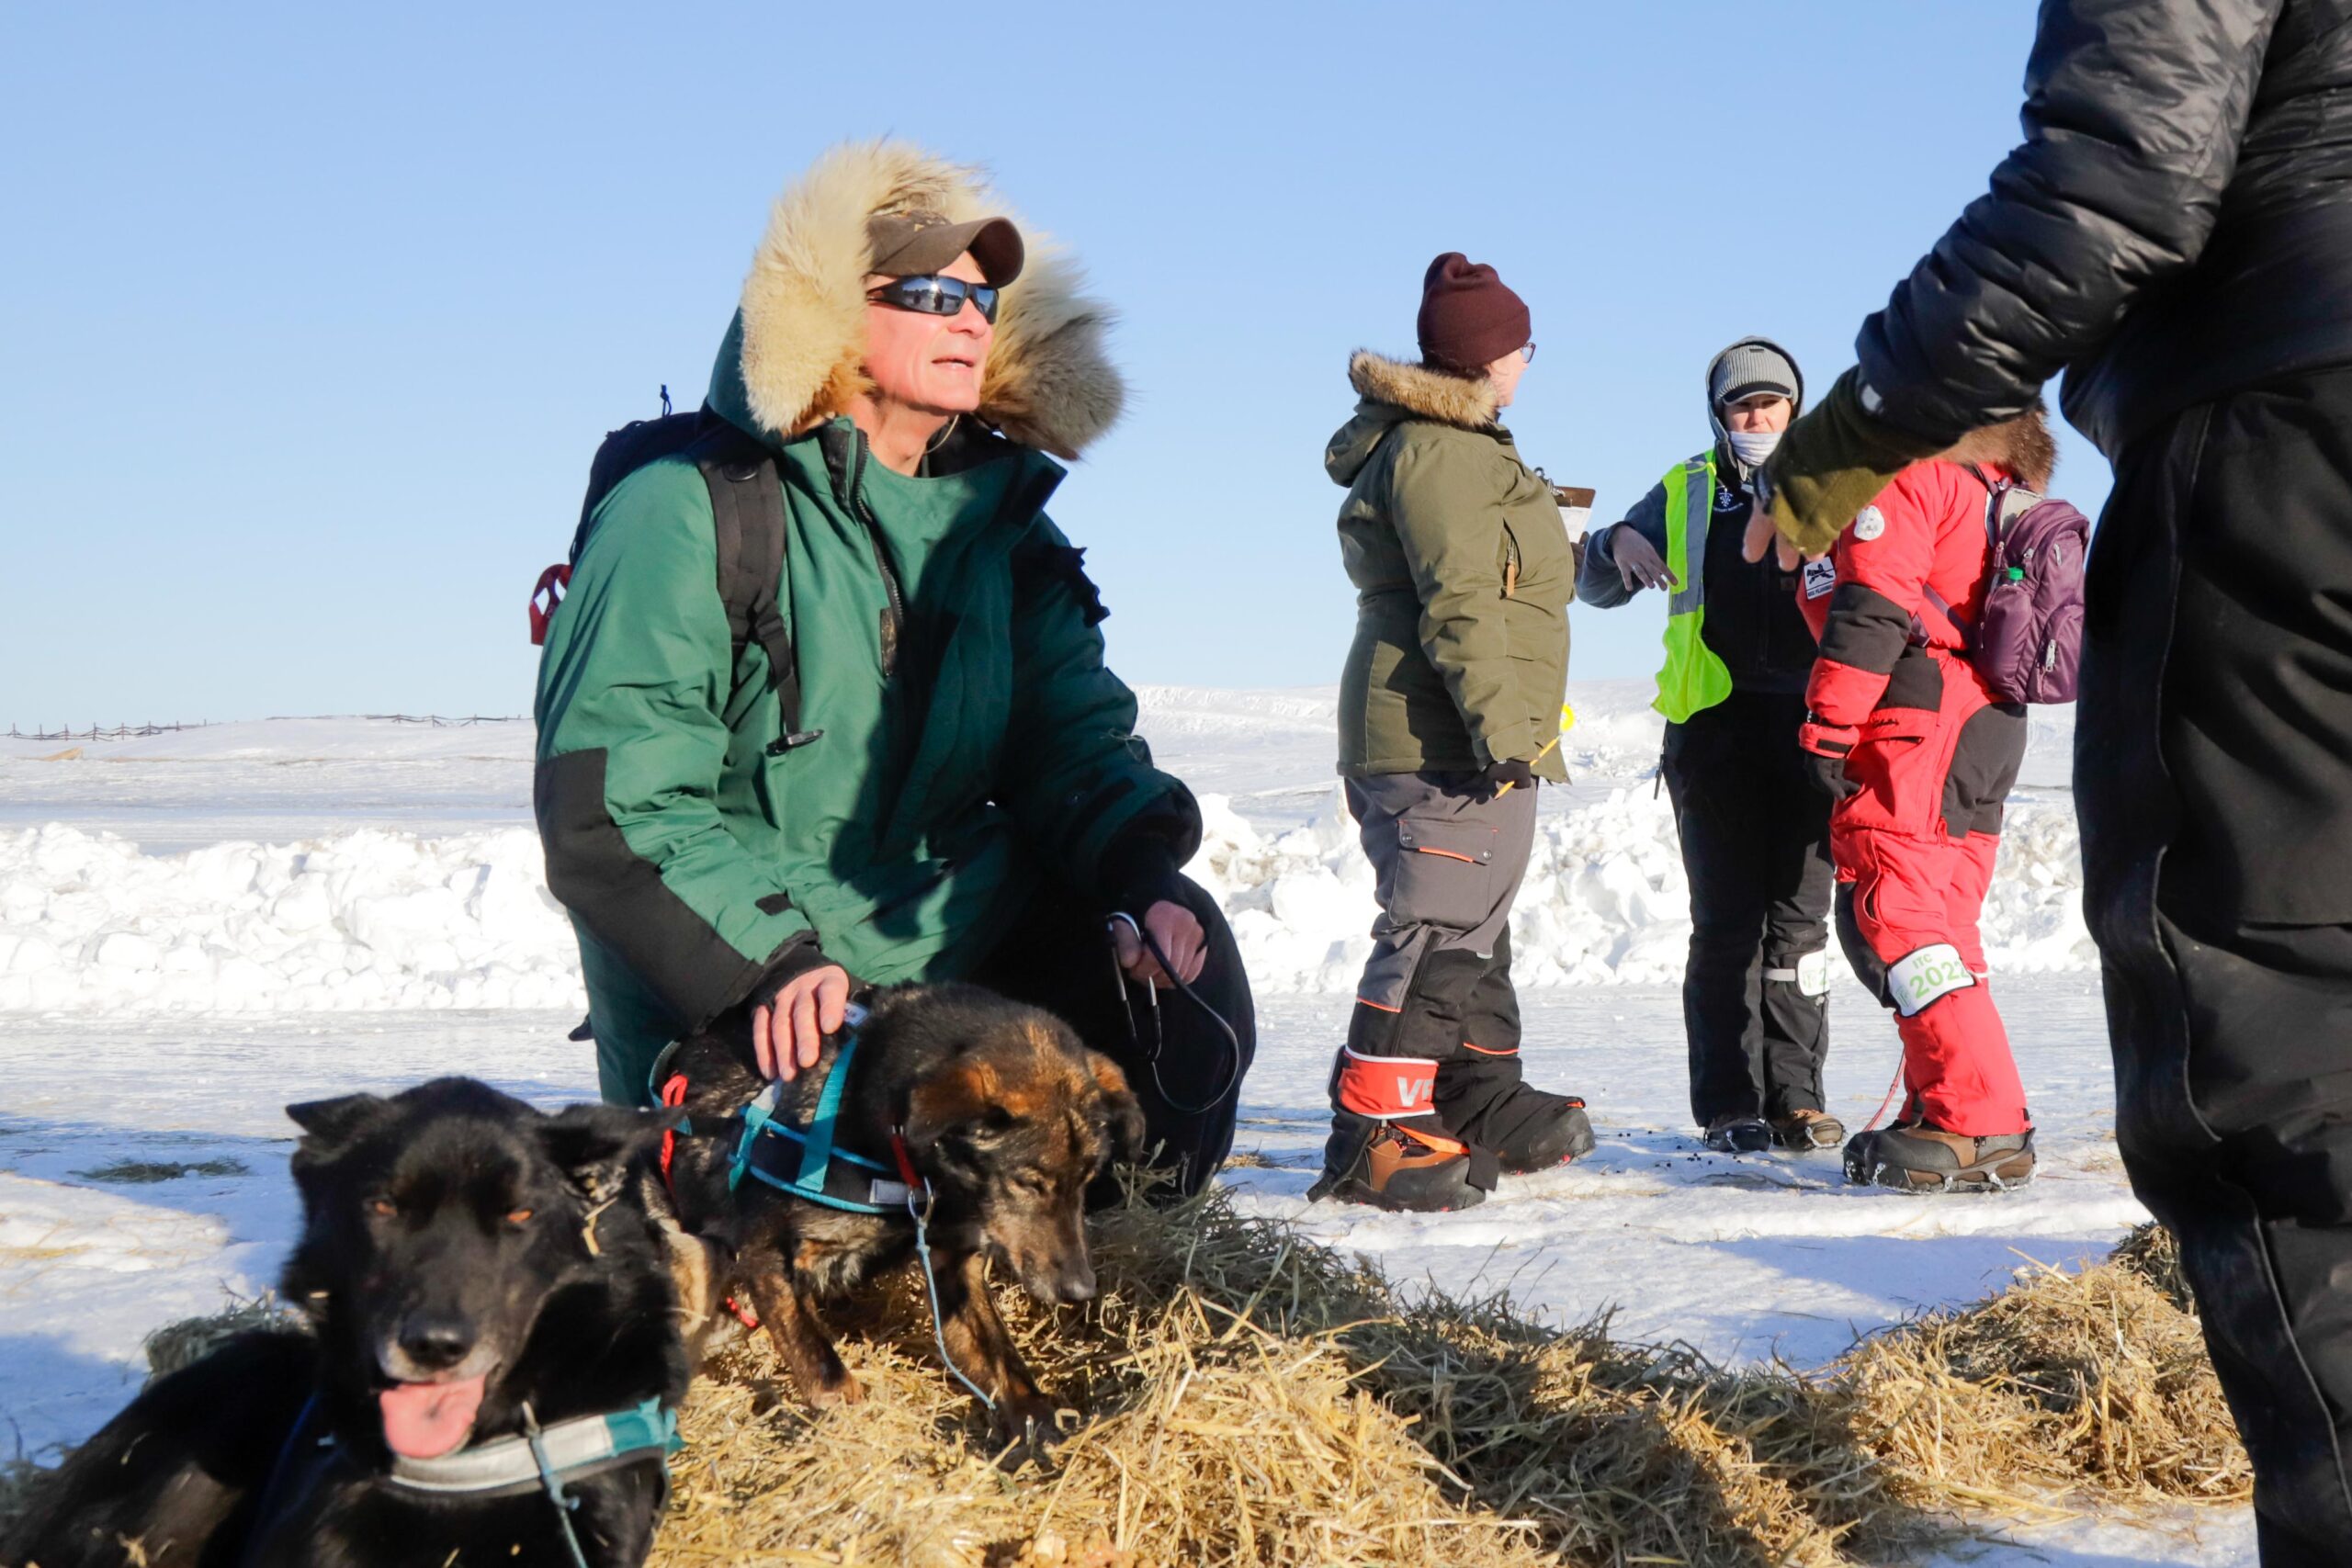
(1463, 574)
(974, 743)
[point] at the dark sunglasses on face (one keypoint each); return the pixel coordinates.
(936, 296)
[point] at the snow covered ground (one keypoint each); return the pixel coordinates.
(199, 928)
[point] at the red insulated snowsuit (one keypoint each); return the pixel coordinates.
(1934, 755)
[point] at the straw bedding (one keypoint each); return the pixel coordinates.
(1258, 1399)
(1255, 1398)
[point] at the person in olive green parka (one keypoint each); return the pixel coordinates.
(1463, 574)
(966, 797)
(1449, 703)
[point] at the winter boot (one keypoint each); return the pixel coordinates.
(1531, 1129)
(1806, 1130)
(1920, 1157)
(1390, 1168)
(1738, 1132)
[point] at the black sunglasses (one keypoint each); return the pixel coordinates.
(936, 296)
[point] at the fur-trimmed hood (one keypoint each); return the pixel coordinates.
(1393, 391)
(794, 355)
(2023, 445)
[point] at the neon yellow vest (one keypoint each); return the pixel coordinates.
(1692, 678)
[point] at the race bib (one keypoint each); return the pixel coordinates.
(1820, 578)
(1926, 974)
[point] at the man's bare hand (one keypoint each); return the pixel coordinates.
(1638, 563)
(1762, 535)
(1177, 930)
(787, 1032)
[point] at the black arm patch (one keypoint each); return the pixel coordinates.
(621, 898)
(1066, 564)
(1917, 682)
(1867, 630)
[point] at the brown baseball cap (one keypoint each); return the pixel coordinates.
(912, 245)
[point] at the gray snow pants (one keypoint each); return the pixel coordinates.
(1433, 1042)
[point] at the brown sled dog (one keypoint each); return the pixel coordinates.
(983, 1119)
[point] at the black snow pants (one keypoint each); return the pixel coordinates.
(1057, 956)
(1756, 846)
(2213, 774)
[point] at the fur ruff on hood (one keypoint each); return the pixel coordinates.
(2023, 445)
(1049, 382)
(1469, 402)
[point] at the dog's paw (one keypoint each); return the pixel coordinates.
(1032, 1419)
(843, 1389)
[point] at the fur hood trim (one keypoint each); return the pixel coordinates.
(1049, 383)
(1466, 400)
(2023, 445)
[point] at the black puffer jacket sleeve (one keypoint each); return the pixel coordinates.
(2135, 112)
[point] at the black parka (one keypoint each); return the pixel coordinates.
(2176, 225)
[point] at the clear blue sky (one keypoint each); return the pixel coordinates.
(312, 316)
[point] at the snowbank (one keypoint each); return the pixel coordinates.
(1605, 899)
(359, 920)
(378, 918)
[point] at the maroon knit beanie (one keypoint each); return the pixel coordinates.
(1469, 317)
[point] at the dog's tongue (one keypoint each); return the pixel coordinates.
(425, 1420)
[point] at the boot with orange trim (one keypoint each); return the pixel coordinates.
(1920, 1157)
(1531, 1129)
(1481, 1094)
(1387, 1147)
(1391, 1166)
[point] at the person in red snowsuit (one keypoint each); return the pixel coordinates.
(1920, 757)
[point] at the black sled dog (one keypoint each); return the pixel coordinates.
(946, 1125)
(491, 1374)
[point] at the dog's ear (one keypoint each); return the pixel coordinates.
(1126, 1115)
(329, 1124)
(596, 1145)
(964, 1099)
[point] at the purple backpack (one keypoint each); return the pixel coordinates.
(2029, 640)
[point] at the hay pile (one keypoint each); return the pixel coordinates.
(2094, 1380)
(181, 1343)
(1255, 1398)
(1258, 1399)
(1216, 1437)
(2151, 1252)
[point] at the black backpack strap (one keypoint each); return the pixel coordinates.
(1994, 494)
(747, 513)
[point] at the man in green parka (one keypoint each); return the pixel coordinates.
(965, 796)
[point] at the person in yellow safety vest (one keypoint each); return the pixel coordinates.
(1755, 830)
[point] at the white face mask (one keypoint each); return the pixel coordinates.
(1752, 446)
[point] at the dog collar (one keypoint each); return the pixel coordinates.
(574, 1446)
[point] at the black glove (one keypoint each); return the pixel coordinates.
(1825, 748)
(1512, 772)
